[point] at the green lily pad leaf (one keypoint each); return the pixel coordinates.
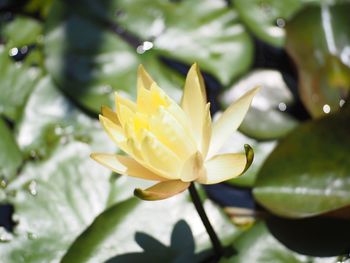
(50, 119)
(54, 201)
(10, 155)
(17, 81)
(261, 152)
(268, 116)
(318, 40)
(211, 36)
(110, 237)
(266, 18)
(308, 173)
(22, 31)
(92, 52)
(259, 246)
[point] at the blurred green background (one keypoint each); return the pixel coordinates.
(61, 60)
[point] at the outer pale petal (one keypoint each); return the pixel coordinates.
(125, 165)
(111, 115)
(162, 190)
(230, 121)
(227, 166)
(194, 102)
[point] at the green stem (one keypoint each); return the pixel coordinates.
(201, 212)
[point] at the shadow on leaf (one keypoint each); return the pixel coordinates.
(181, 249)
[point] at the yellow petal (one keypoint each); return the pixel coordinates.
(194, 101)
(111, 115)
(125, 165)
(144, 80)
(162, 190)
(171, 133)
(144, 100)
(125, 109)
(159, 157)
(177, 112)
(193, 168)
(119, 100)
(158, 97)
(226, 166)
(206, 131)
(229, 121)
(115, 132)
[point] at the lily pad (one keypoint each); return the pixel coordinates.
(268, 116)
(17, 81)
(308, 173)
(50, 119)
(93, 51)
(10, 155)
(54, 201)
(318, 39)
(259, 246)
(267, 18)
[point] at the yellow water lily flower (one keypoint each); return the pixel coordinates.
(171, 144)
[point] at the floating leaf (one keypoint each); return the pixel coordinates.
(95, 50)
(267, 18)
(308, 173)
(50, 119)
(318, 40)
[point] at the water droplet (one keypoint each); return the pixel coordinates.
(282, 106)
(13, 52)
(4, 235)
(32, 188)
(280, 22)
(24, 49)
(3, 182)
(326, 108)
(31, 236)
(341, 103)
(147, 45)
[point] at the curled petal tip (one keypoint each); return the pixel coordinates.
(249, 153)
(162, 190)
